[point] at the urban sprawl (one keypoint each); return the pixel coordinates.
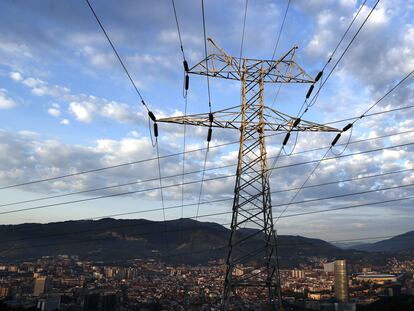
(66, 283)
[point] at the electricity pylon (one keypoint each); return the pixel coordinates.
(252, 263)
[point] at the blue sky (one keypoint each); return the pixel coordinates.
(66, 105)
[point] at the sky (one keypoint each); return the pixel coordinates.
(67, 106)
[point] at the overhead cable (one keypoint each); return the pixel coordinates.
(177, 154)
(117, 54)
(220, 177)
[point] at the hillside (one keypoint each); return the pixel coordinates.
(400, 243)
(183, 240)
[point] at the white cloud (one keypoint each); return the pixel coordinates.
(378, 18)
(65, 122)
(96, 57)
(170, 36)
(120, 112)
(134, 134)
(83, 111)
(33, 82)
(5, 101)
(28, 134)
(13, 48)
(16, 76)
(151, 63)
(54, 111)
(84, 107)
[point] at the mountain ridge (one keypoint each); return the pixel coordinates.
(176, 241)
(399, 243)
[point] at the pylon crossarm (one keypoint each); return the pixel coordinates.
(303, 125)
(228, 68)
(226, 118)
(218, 66)
(222, 65)
(230, 118)
(294, 74)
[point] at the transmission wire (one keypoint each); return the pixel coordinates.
(372, 106)
(192, 151)
(117, 55)
(273, 192)
(220, 177)
(220, 167)
(341, 56)
(286, 216)
(280, 30)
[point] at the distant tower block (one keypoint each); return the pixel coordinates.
(40, 286)
(341, 281)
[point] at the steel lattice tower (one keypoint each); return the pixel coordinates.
(252, 263)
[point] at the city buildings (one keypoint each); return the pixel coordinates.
(68, 283)
(377, 278)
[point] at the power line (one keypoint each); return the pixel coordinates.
(184, 146)
(354, 120)
(178, 29)
(161, 191)
(350, 125)
(100, 229)
(345, 180)
(161, 187)
(280, 30)
(205, 53)
(117, 54)
(189, 151)
(214, 178)
(346, 207)
(310, 90)
(315, 97)
(210, 114)
(280, 191)
(209, 169)
(201, 185)
(385, 95)
(371, 114)
(285, 245)
(305, 102)
(187, 173)
(347, 194)
(185, 92)
(303, 184)
(347, 127)
(275, 48)
(344, 34)
(319, 211)
(202, 225)
(113, 166)
(199, 198)
(212, 202)
(244, 27)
